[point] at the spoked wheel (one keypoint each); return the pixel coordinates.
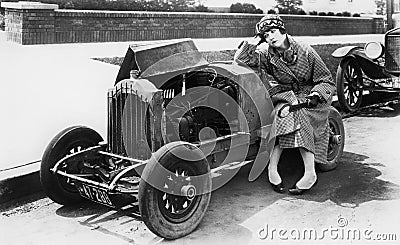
(174, 192)
(68, 141)
(336, 140)
(177, 208)
(349, 83)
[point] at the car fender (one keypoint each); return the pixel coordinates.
(348, 50)
(368, 66)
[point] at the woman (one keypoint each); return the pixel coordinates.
(300, 74)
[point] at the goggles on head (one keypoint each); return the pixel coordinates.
(268, 22)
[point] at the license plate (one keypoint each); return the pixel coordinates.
(95, 194)
(389, 82)
(396, 84)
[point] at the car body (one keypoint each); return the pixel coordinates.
(178, 128)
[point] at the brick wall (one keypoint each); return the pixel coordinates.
(29, 27)
(323, 25)
(51, 25)
(29, 22)
(99, 26)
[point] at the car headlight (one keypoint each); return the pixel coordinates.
(374, 50)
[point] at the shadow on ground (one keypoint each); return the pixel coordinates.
(354, 182)
(351, 184)
(119, 222)
(378, 104)
(386, 111)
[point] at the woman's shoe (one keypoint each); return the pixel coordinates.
(278, 188)
(294, 190)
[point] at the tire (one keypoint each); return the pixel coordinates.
(349, 84)
(69, 140)
(335, 146)
(156, 205)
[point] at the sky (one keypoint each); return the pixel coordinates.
(262, 4)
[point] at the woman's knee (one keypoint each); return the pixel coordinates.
(305, 152)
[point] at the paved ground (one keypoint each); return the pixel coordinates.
(360, 197)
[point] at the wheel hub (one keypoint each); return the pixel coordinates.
(336, 139)
(189, 191)
(179, 196)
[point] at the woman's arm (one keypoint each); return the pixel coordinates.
(321, 76)
(246, 54)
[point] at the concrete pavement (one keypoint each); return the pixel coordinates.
(46, 88)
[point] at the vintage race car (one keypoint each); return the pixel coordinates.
(178, 128)
(374, 68)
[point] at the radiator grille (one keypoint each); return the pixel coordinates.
(392, 55)
(127, 120)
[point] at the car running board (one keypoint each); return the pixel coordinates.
(215, 172)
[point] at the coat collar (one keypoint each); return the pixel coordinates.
(275, 57)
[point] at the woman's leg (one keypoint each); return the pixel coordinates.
(310, 176)
(273, 174)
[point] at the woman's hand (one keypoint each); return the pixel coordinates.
(246, 54)
(313, 99)
(259, 39)
(284, 111)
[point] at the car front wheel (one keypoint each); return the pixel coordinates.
(174, 191)
(68, 141)
(349, 83)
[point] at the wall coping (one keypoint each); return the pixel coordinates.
(155, 13)
(28, 5)
(195, 14)
(45, 6)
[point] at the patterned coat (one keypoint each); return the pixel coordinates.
(307, 128)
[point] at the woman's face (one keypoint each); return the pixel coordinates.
(275, 38)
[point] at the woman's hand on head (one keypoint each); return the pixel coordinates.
(254, 41)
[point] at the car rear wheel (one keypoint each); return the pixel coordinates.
(68, 141)
(336, 140)
(174, 192)
(349, 83)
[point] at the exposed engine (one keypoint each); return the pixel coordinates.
(207, 106)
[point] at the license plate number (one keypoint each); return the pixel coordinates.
(396, 84)
(389, 82)
(95, 194)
